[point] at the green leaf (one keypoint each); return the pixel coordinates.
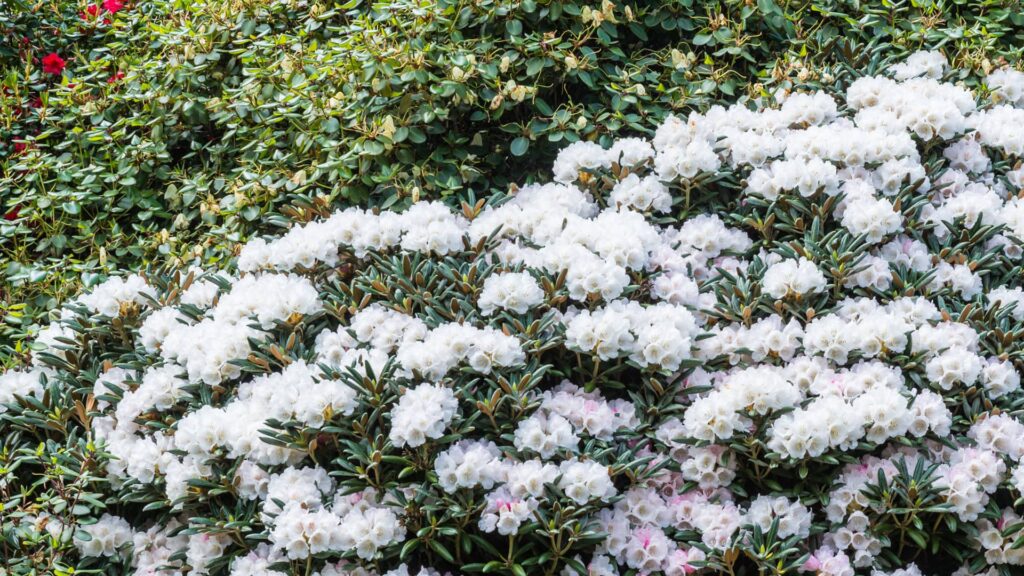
(441, 551)
(519, 146)
(768, 7)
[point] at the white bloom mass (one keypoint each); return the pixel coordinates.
(422, 414)
(793, 278)
(514, 291)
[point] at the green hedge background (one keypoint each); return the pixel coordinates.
(179, 128)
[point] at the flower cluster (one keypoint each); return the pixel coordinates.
(816, 370)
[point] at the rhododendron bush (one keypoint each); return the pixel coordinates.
(815, 370)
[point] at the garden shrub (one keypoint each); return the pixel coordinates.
(814, 369)
(181, 128)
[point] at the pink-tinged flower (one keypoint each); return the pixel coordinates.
(682, 561)
(113, 6)
(53, 63)
(811, 565)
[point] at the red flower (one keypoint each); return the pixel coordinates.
(91, 11)
(53, 64)
(13, 213)
(115, 77)
(113, 5)
(19, 147)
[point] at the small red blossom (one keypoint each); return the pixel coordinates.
(24, 47)
(91, 11)
(113, 6)
(115, 77)
(13, 213)
(53, 63)
(19, 147)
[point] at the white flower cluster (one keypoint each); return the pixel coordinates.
(427, 227)
(793, 518)
(793, 277)
(17, 383)
(589, 413)
(513, 291)
(505, 512)
(659, 335)
(104, 538)
(446, 346)
(301, 532)
(421, 414)
(367, 382)
(108, 298)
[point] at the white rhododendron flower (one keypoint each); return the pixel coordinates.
(421, 414)
(513, 291)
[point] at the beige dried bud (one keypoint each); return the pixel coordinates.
(608, 11)
(679, 61)
(387, 127)
(518, 93)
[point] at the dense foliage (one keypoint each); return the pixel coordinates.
(813, 367)
(135, 131)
